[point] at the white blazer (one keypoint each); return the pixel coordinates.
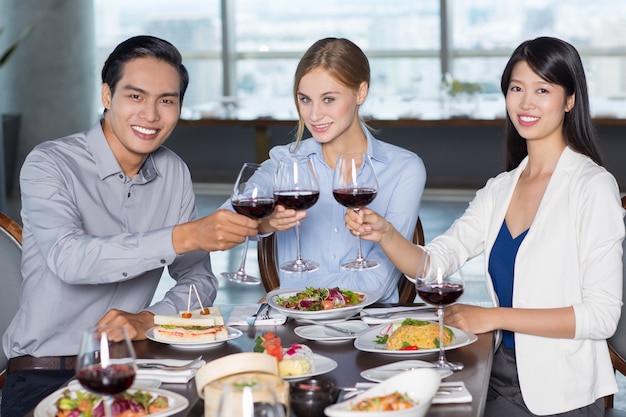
(571, 256)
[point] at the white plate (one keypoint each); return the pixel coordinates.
(384, 372)
(47, 407)
(420, 384)
(370, 297)
(321, 365)
(366, 342)
(321, 333)
(232, 334)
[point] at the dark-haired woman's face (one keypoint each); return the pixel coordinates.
(536, 107)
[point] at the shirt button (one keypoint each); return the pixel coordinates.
(163, 261)
(336, 229)
(121, 176)
(124, 274)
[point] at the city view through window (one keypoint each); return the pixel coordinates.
(263, 41)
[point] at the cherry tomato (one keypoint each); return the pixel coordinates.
(205, 311)
(409, 348)
(186, 315)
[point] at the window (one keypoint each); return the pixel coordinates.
(402, 38)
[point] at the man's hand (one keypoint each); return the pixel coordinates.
(136, 325)
(221, 230)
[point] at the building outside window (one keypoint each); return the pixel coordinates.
(424, 55)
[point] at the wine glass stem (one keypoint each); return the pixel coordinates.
(359, 253)
(442, 353)
(108, 402)
(299, 257)
(242, 267)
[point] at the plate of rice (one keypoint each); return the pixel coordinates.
(411, 337)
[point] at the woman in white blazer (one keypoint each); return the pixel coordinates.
(551, 229)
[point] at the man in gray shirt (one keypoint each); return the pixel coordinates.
(103, 212)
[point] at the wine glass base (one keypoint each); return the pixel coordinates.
(241, 278)
(453, 366)
(360, 265)
(299, 266)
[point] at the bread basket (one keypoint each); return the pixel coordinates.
(239, 368)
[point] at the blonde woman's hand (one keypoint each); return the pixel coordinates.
(281, 219)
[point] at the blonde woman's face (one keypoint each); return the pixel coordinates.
(328, 108)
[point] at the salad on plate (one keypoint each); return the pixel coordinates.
(318, 299)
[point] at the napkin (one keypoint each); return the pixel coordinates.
(240, 313)
(455, 392)
(166, 376)
(458, 393)
(398, 313)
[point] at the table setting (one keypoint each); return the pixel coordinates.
(336, 356)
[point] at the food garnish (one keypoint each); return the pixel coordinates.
(85, 404)
(391, 402)
(317, 299)
(412, 334)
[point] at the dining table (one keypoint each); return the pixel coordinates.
(476, 358)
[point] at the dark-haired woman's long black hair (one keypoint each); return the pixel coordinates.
(557, 62)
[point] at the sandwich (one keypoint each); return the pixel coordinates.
(191, 326)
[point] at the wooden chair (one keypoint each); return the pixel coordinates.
(10, 277)
(617, 349)
(266, 249)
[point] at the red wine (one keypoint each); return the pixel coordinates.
(440, 294)
(354, 197)
(297, 200)
(256, 208)
(110, 380)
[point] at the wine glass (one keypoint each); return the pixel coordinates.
(253, 199)
(249, 399)
(104, 366)
(354, 186)
(439, 289)
(296, 187)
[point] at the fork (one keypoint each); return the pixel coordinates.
(252, 319)
(395, 313)
(164, 367)
(267, 316)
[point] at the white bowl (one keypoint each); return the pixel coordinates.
(370, 297)
(420, 384)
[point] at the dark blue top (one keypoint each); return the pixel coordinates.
(502, 268)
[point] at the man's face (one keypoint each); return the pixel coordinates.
(143, 110)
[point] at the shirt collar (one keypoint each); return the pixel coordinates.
(105, 160)
(313, 147)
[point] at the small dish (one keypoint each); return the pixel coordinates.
(232, 334)
(321, 365)
(420, 385)
(321, 333)
(384, 372)
(309, 398)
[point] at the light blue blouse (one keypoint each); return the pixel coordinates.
(324, 238)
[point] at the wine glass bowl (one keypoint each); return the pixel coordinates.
(249, 399)
(252, 198)
(355, 186)
(438, 288)
(296, 187)
(106, 366)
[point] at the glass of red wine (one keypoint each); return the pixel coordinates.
(355, 186)
(296, 187)
(253, 199)
(439, 289)
(106, 362)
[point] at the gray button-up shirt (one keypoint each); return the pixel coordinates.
(94, 239)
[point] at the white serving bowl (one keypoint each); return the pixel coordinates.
(369, 297)
(420, 384)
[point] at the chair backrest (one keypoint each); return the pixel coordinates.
(10, 277)
(617, 343)
(266, 249)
